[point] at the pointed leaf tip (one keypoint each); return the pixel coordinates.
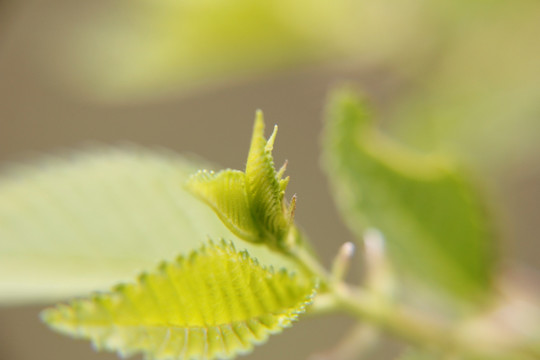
(282, 169)
(217, 303)
(270, 143)
(258, 126)
(264, 188)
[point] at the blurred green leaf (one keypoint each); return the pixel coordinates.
(70, 225)
(479, 94)
(215, 303)
(466, 71)
(415, 354)
(138, 47)
(432, 216)
(424, 354)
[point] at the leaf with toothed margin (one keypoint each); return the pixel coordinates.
(251, 204)
(215, 303)
(265, 187)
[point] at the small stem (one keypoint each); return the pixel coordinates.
(367, 307)
(311, 265)
(300, 253)
(393, 319)
(416, 328)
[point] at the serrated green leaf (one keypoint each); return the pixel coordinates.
(428, 209)
(251, 204)
(74, 224)
(265, 188)
(215, 303)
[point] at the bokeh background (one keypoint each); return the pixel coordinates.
(458, 77)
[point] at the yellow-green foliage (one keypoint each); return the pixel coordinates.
(215, 303)
(251, 204)
(164, 43)
(429, 210)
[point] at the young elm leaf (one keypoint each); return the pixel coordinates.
(215, 303)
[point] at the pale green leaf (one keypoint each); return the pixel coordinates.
(251, 204)
(215, 303)
(74, 224)
(225, 193)
(428, 208)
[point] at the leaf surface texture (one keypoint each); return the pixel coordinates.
(215, 303)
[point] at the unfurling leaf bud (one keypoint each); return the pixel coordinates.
(251, 203)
